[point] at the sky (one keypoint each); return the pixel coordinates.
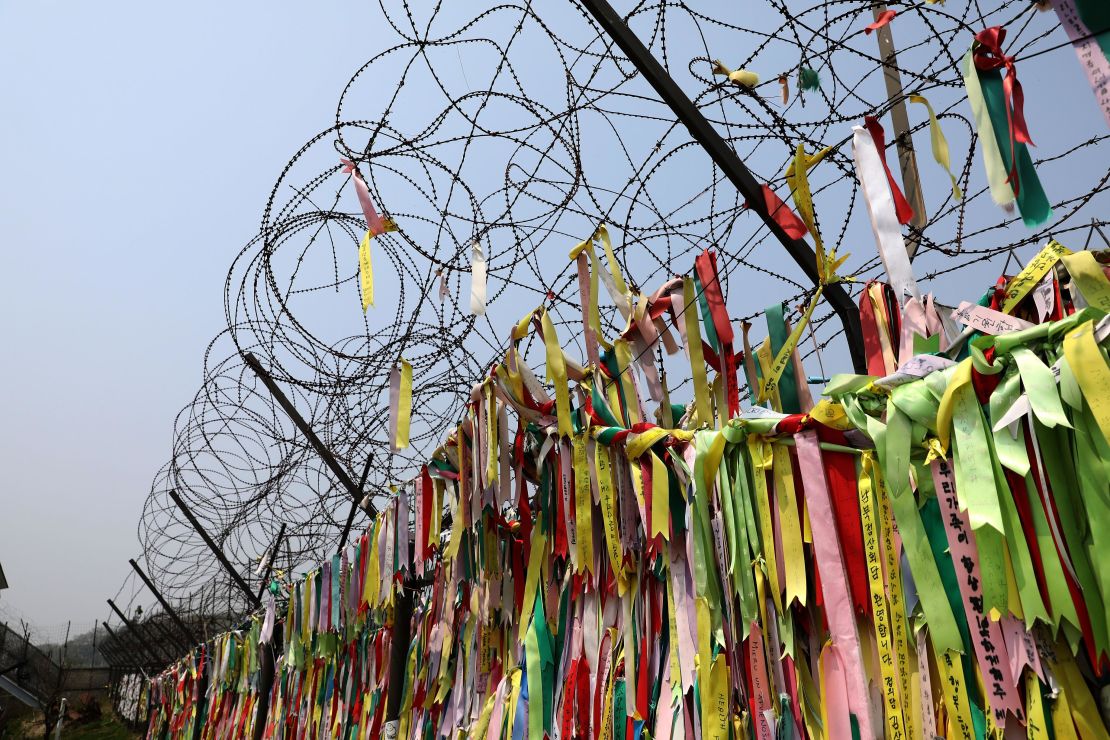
(140, 142)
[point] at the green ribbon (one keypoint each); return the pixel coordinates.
(788, 386)
(1095, 15)
(1031, 200)
(892, 442)
(1061, 469)
(1040, 384)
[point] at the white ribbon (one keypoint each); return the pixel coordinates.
(884, 220)
(267, 623)
(477, 280)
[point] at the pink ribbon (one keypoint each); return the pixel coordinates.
(374, 222)
(834, 579)
(986, 634)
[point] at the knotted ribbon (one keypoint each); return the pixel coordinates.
(987, 55)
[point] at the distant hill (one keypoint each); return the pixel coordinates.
(81, 652)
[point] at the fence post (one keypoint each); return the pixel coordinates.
(398, 656)
(165, 604)
(907, 158)
(299, 421)
(214, 548)
(155, 657)
(267, 660)
(730, 164)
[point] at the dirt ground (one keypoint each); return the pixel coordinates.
(29, 725)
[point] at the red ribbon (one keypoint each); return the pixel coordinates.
(425, 549)
(987, 55)
(902, 207)
(783, 215)
(884, 18)
(706, 265)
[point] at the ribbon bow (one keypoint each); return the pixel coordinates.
(987, 54)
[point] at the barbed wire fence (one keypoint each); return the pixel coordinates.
(519, 128)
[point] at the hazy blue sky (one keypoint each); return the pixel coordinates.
(140, 142)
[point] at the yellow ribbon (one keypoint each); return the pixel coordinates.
(782, 359)
(1088, 275)
(892, 706)
(1088, 365)
(940, 144)
(660, 499)
(956, 700)
(760, 462)
(797, 177)
(697, 358)
(366, 264)
(404, 407)
(831, 414)
(1033, 273)
(583, 505)
(791, 529)
(740, 77)
(607, 496)
(557, 374)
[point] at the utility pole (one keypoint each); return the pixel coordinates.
(165, 604)
(730, 164)
(214, 548)
(907, 159)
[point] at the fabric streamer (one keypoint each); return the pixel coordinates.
(375, 226)
(1090, 48)
(998, 105)
(400, 404)
(477, 279)
(939, 144)
(781, 213)
(883, 19)
(874, 180)
(920, 555)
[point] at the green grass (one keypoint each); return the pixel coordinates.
(105, 728)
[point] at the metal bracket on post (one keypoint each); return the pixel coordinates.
(213, 547)
(111, 657)
(165, 604)
(299, 421)
(729, 163)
